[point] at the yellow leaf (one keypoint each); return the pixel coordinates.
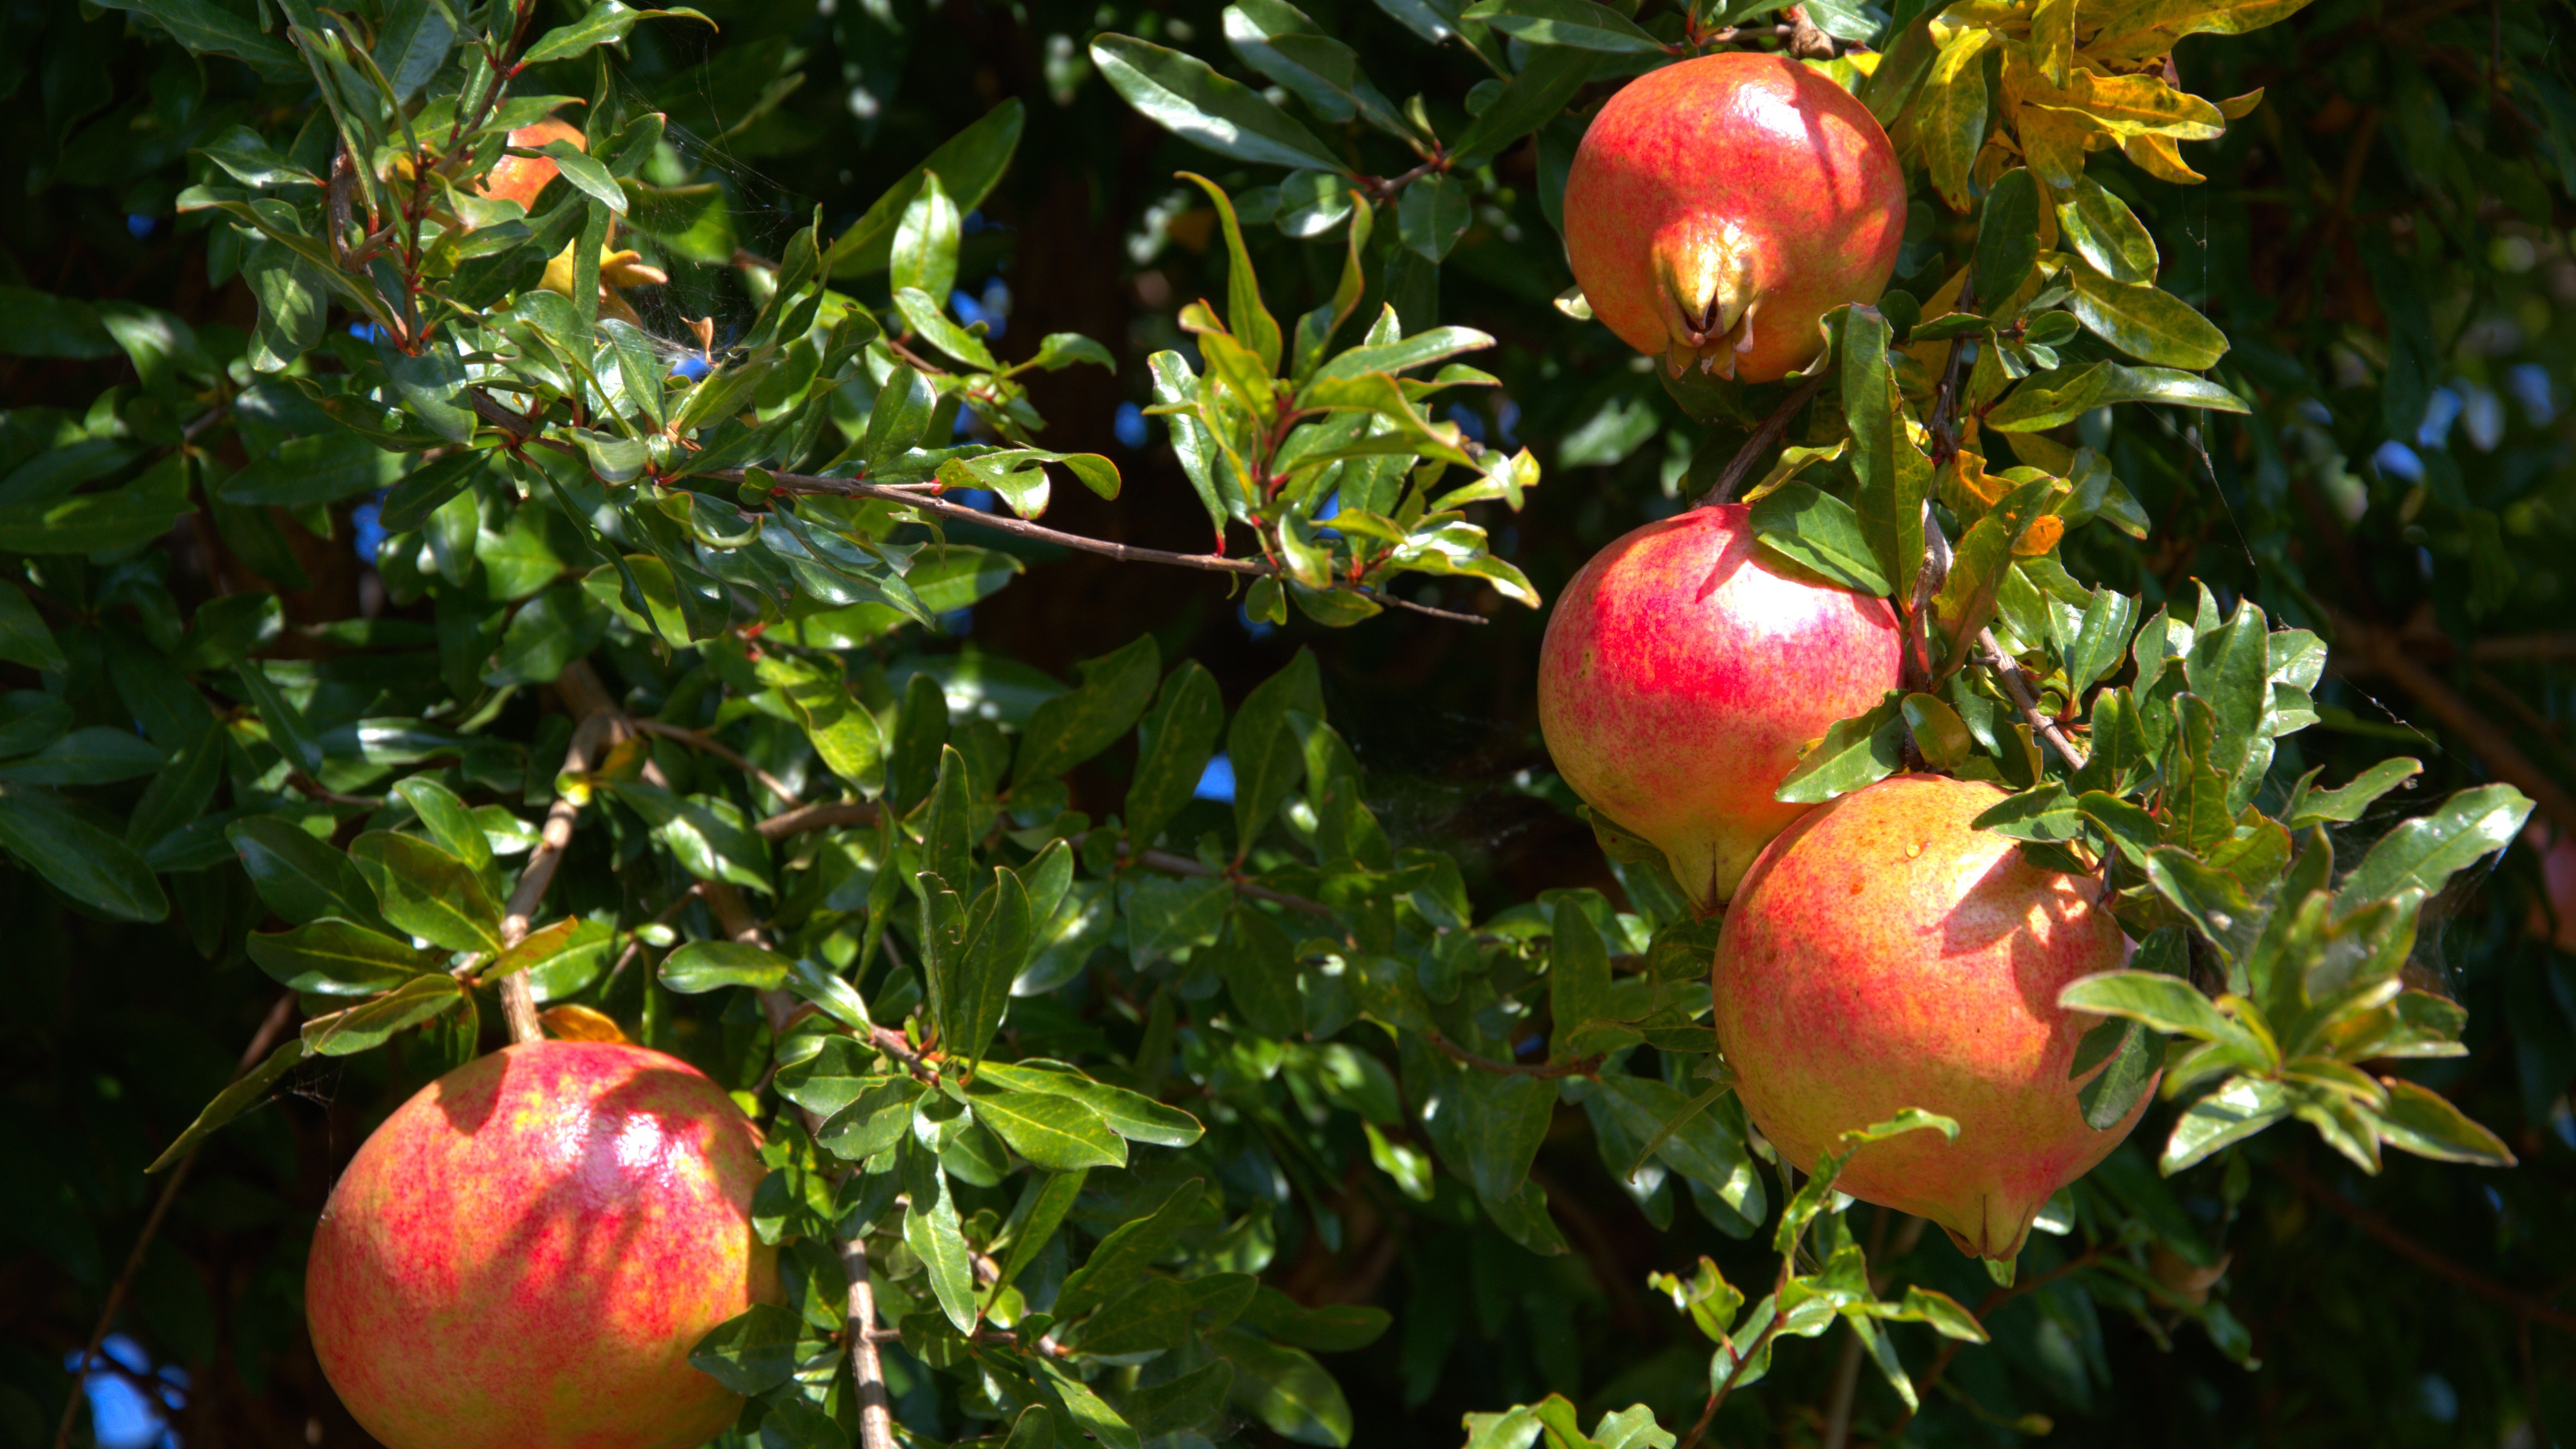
(2159, 157)
(2142, 29)
(2237, 108)
(1951, 114)
(2134, 105)
(2054, 143)
(579, 1023)
(2040, 537)
(2052, 39)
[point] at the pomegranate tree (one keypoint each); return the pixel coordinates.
(1681, 676)
(1719, 207)
(1885, 953)
(524, 1254)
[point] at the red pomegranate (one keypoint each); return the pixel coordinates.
(523, 1255)
(1885, 953)
(522, 178)
(1719, 207)
(1681, 676)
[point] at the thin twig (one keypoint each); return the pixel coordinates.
(598, 717)
(1577, 1067)
(1022, 528)
(2528, 1309)
(1170, 864)
(700, 740)
(830, 815)
(271, 1027)
(312, 789)
(1763, 437)
(2008, 669)
(2490, 744)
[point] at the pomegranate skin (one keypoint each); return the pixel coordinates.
(1718, 208)
(523, 178)
(1885, 954)
(523, 1255)
(1681, 676)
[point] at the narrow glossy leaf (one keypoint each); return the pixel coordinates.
(842, 730)
(2425, 852)
(1181, 94)
(365, 1027)
(548, 633)
(1131, 1115)
(95, 755)
(978, 990)
(2425, 1123)
(300, 877)
(1173, 743)
(709, 965)
(1820, 532)
(1435, 210)
(1529, 100)
(1285, 1389)
(1855, 752)
(922, 316)
(428, 892)
(1072, 727)
(1950, 113)
(752, 1352)
(1580, 24)
(1504, 1119)
(2309, 805)
(1126, 1252)
(1058, 1134)
(2236, 1111)
(931, 1229)
(2008, 237)
(2101, 229)
(605, 23)
(76, 857)
(24, 639)
(245, 1092)
(333, 957)
(925, 244)
(2144, 322)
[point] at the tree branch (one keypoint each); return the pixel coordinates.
(271, 1027)
(700, 740)
(2008, 669)
(2529, 1309)
(1022, 528)
(2392, 656)
(1763, 437)
(598, 718)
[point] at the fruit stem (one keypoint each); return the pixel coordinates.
(1763, 437)
(2008, 670)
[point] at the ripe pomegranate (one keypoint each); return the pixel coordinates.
(523, 1255)
(1886, 954)
(1681, 676)
(1719, 207)
(521, 178)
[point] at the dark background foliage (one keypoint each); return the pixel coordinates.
(2385, 240)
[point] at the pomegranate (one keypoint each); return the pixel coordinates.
(1885, 954)
(1718, 208)
(522, 178)
(1681, 676)
(523, 1255)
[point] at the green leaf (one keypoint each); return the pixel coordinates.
(925, 244)
(754, 1351)
(548, 633)
(428, 892)
(968, 164)
(1816, 530)
(208, 29)
(2425, 852)
(321, 469)
(2007, 237)
(1161, 1314)
(1267, 757)
(2236, 1111)
(931, 1229)
(300, 877)
(1131, 1115)
(2425, 1123)
(2100, 228)
(366, 1027)
(332, 957)
(606, 23)
(86, 523)
(843, 732)
(1057, 1134)
(2167, 1003)
(1073, 727)
(76, 857)
(1041, 1209)
(1529, 100)
(921, 315)
(24, 639)
(1123, 1256)
(1855, 752)
(1503, 1121)
(1285, 1389)
(1435, 210)
(288, 731)
(703, 966)
(1578, 976)
(1173, 744)
(1182, 95)
(2309, 805)
(36, 323)
(1579, 24)
(1246, 317)
(95, 755)
(2144, 322)
(976, 987)
(1332, 1328)
(246, 1091)
(2056, 398)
